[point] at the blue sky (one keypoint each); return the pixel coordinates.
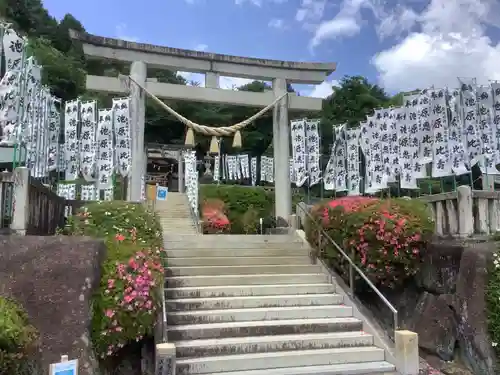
(402, 45)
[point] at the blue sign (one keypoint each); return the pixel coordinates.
(161, 193)
(65, 368)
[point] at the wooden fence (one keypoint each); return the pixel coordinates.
(6, 195)
(46, 209)
(28, 207)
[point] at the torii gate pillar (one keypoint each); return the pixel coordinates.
(281, 145)
(138, 72)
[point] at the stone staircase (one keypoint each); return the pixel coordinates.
(174, 214)
(255, 305)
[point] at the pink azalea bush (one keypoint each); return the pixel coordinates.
(383, 236)
(214, 218)
(125, 308)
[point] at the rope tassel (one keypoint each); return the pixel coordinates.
(237, 139)
(214, 145)
(189, 138)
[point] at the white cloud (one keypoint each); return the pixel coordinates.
(401, 19)
(122, 33)
(277, 23)
(334, 28)
(433, 46)
(346, 23)
(323, 90)
(310, 11)
(451, 43)
(201, 47)
(257, 3)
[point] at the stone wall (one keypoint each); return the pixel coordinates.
(445, 304)
(53, 278)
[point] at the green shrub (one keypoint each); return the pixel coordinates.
(238, 200)
(383, 236)
(493, 302)
(104, 219)
(250, 221)
(124, 309)
(18, 338)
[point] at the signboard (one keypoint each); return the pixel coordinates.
(64, 367)
(161, 193)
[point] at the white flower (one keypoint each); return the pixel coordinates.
(494, 344)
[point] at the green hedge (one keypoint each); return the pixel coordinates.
(238, 200)
(18, 339)
(245, 205)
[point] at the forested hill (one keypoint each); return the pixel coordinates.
(65, 69)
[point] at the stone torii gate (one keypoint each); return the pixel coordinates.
(212, 65)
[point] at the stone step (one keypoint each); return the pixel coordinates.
(295, 358)
(296, 278)
(258, 314)
(365, 368)
(242, 270)
(247, 302)
(262, 328)
(193, 243)
(292, 290)
(227, 239)
(238, 261)
(263, 344)
(261, 251)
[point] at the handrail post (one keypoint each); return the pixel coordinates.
(351, 275)
(315, 257)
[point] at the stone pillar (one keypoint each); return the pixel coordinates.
(407, 356)
(488, 182)
(180, 173)
(138, 72)
(281, 144)
(211, 80)
(165, 359)
(465, 212)
(20, 201)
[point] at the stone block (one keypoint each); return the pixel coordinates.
(470, 307)
(440, 266)
(406, 352)
(54, 279)
(436, 325)
(165, 359)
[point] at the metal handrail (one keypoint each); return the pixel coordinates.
(164, 337)
(352, 266)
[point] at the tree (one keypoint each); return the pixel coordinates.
(352, 101)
